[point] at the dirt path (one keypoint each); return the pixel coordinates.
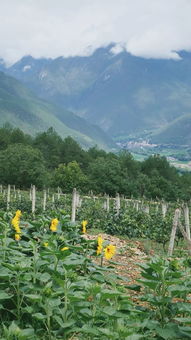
(129, 254)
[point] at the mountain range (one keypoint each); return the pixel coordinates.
(23, 109)
(123, 94)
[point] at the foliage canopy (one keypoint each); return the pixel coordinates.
(48, 160)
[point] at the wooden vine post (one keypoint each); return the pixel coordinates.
(8, 196)
(80, 202)
(59, 192)
(188, 241)
(173, 232)
(73, 216)
(147, 209)
(107, 203)
(77, 199)
(186, 218)
(33, 199)
(164, 209)
(117, 203)
(30, 193)
(53, 199)
(44, 200)
(19, 194)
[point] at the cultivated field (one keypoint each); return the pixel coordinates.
(87, 267)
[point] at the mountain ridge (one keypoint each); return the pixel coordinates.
(20, 107)
(123, 94)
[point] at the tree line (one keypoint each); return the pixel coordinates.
(47, 160)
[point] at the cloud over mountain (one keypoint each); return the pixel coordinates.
(147, 28)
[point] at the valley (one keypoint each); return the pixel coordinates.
(177, 155)
(110, 100)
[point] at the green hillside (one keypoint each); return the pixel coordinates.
(178, 132)
(123, 94)
(23, 109)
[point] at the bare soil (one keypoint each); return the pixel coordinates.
(129, 255)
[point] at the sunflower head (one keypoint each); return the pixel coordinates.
(109, 251)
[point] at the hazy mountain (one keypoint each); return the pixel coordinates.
(2, 65)
(176, 132)
(20, 107)
(121, 93)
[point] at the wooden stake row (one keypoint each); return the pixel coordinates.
(185, 231)
(77, 201)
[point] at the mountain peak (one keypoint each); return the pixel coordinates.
(122, 93)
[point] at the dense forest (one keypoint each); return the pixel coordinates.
(48, 160)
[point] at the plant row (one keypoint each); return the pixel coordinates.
(55, 285)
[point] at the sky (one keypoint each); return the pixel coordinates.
(52, 28)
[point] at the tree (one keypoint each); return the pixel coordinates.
(10, 135)
(161, 165)
(162, 188)
(70, 176)
(49, 143)
(106, 176)
(72, 151)
(22, 165)
(94, 153)
(18, 136)
(4, 138)
(129, 165)
(185, 186)
(142, 185)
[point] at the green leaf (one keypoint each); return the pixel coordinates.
(4, 295)
(9, 266)
(183, 320)
(28, 309)
(107, 332)
(39, 316)
(134, 287)
(185, 332)
(4, 273)
(74, 260)
(149, 283)
(109, 310)
(106, 293)
(34, 297)
(44, 277)
(54, 302)
(98, 277)
(27, 333)
(124, 278)
(183, 307)
(62, 323)
(170, 331)
(180, 289)
(134, 337)
(77, 296)
(87, 330)
(86, 312)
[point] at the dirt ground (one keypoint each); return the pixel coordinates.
(129, 254)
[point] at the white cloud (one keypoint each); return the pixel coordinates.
(50, 28)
